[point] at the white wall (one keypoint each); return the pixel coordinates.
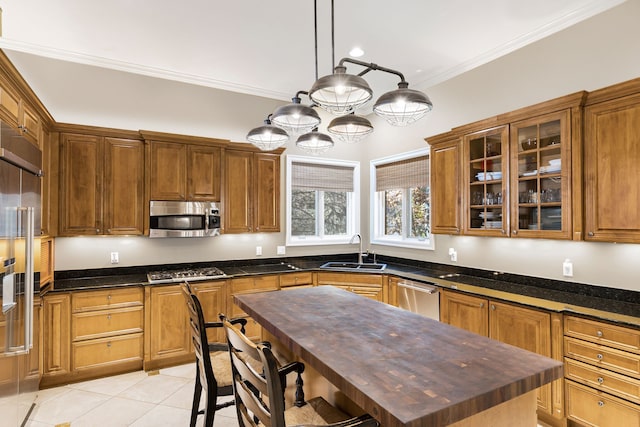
(593, 54)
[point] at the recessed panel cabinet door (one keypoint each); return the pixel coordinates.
(168, 328)
(612, 156)
(266, 192)
(203, 173)
(168, 171)
(465, 311)
(124, 187)
(446, 188)
(238, 212)
(81, 185)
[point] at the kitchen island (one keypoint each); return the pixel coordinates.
(402, 368)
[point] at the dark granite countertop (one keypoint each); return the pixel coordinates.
(608, 303)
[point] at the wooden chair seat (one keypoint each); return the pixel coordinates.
(222, 367)
(317, 411)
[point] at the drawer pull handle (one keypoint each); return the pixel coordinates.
(599, 334)
(108, 297)
(600, 403)
(600, 380)
(600, 356)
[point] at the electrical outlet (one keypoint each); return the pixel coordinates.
(258, 250)
(281, 250)
(115, 258)
(453, 255)
(567, 268)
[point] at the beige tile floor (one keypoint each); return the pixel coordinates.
(135, 399)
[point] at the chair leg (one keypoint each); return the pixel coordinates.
(210, 410)
(299, 402)
(195, 406)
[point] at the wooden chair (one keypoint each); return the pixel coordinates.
(213, 368)
(259, 394)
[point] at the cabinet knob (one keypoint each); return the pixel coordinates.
(599, 356)
(600, 380)
(599, 334)
(97, 230)
(514, 231)
(600, 403)
(109, 344)
(493, 307)
(590, 234)
(109, 296)
(481, 305)
(108, 317)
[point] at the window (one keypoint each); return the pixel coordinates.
(323, 198)
(400, 200)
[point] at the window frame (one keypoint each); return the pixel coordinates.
(353, 204)
(377, 207)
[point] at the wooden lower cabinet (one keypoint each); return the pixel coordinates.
(213, 298)
(367, 285)
(88, 334)
(245, 285)
(523, 327)
(56, 338)
(166, 326)
(602, 373)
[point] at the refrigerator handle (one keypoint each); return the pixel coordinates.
(29, 279)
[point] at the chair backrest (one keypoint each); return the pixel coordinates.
(199, 338)
(259, 394)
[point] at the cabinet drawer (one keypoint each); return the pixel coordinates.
(603, 333)
(607, 381)
(111, 298)
(593, 408)
(603, 357)
(296, 279)
(106, 351)
(95, 324)
(253, 284)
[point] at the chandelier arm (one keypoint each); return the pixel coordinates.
(371, 66)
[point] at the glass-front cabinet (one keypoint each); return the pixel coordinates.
(485, 177)
(540, 164)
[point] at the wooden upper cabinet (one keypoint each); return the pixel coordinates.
(485, 176)
(168, 171)
(18, 114)
(266, 187)
(9, 105)
(80, 185)
(612, 156)
(238, 170)
(29, 123)
(252, 192)
(123, 186)
(101, 185)
(446, 186)
(185, 171)
(204, 173)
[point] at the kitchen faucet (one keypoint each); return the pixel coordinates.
(360, 249)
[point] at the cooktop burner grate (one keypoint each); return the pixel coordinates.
(171, 276)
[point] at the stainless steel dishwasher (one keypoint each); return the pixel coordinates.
(420, 298)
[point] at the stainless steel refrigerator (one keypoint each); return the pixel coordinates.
(20, 172)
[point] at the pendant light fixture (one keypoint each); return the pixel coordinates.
(340, 93)
(267, 137)
(295, 118)
(403, 106)
(350, 128)
(315, 142)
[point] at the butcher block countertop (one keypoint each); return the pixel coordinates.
(402, 368)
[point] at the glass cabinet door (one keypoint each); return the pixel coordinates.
(486, 155)
(540, 159)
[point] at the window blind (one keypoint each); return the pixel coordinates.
(319, 177)
(407, 173)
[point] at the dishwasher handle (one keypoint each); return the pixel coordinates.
(420, 288)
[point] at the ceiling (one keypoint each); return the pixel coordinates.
(266, 48)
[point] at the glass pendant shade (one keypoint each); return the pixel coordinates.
(403, 106)
(350, 128)
(315, 142)
(340, 93)
(267, 137)
(295, 118)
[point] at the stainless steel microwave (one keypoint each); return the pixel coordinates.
(184, 219)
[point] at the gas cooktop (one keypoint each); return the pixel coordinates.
(191, 274)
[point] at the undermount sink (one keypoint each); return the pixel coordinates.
(353, 266)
